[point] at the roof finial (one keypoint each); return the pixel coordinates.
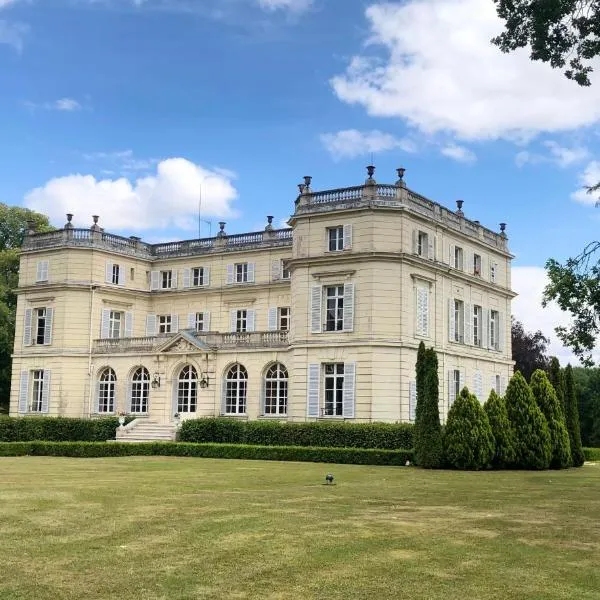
(459, 204)
(400, 182)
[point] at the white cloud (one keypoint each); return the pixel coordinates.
(350, 143)
(62, 104)
(562, 156)
(4, 3)
(296, 6)
(124, 161)
(589, 177)
(442, 74)
(529, 283)
(459, 153)
(167, 198)
(13, 34)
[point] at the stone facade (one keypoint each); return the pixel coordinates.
(319, 321)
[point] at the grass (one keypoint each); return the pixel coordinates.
(177, 528)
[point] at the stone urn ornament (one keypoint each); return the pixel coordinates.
(121, 419)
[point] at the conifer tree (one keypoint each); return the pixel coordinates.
(572, 418)
(533, 449)
(428, 431)
(468, 440)
(546, 399)
(421, 369)
(557, 379)
(502, 431)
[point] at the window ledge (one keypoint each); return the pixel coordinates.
(240, 416)
(272, 417)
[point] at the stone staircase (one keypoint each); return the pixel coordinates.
(141, 430)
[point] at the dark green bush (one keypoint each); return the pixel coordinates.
(57, 429)
(502, 431)
(592, 454)
(572, 418)
(547, 400)
(355, 456)
(388, 436)
(533, 449)
(468, 440)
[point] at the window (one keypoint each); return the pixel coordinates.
(241, 321)
(42, 271)
(200, 323)
(37, 391)
(456, 380)
(477, 325)
(458, 258)
(423, 244)
(334, 319)
(494, 329)
(459, 324)
(497, 385)
(422, 323)
(132, 274)
(283, 318)
(187, 390)
(493, 272)
(198, 276)
(164, 323)
(106, 391)
(236, 386)
(335, 236)
(166, 280)
(114, 324)
(115, 274)
(476, 264)
(276, 390)
(241, 273)
(140, 390)
(334, 390)
(40, 325)
(285, 271)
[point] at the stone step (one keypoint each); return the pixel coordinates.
(147, 431)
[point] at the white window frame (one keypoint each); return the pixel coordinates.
(116, 323)
(283, 318)
(116, 274)
(166, 279)
(187, 390)
(276, 388)
(198, 277)
(42, 271)
(285, 271)
(164, 324)
(41, 315)
(335, 238)
(477, 317)
(336, 300)
(459, 321)
(477, 264)
(106, 395)
(459, 258)
(241, 320)
(139, 392)
(422, 310)
(241, 272)
(200, 322)
(235, 387)
(422, 244)
(336, 391)
(494, 329)
(37, 391)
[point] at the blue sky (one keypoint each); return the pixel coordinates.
(123, 107)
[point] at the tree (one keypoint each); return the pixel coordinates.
(587, 387)
(468, 440)
(557, 379)
(564, 33)
(572, 418)
(533, 449)
(502, 431)
(546, 399)
(528, 349)
(13, 226)
(428, 431)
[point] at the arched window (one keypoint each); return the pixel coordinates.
(106, 391)
(140, 390)
(236, 387)
(276, 390)
(187, 390)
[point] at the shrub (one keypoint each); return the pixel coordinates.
(591, 454)
(276, 433)
(546, 399)
(468, 440)
(572, 418)
(533, 449)
(502, 431)
(428, 431)
(57, 429)
(357, 456)
(557, 379)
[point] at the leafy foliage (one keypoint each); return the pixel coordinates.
(556, 377)
(587, 387)
(502, 431)
(354, 456)
(389, 436)
(428, 444)
(528, 349)
(546, 399)
(468, 440)
(57, 429)
(533, 449)
(572, 418)
(592, 454)
(13, 226)
(563, 33)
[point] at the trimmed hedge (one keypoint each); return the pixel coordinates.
(354, 456)
(385, 436)
(57, 429)
(592, 454)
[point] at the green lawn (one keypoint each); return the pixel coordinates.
(174, 528)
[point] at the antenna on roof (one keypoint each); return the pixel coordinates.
(200, 220)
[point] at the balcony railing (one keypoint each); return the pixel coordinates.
(214, 340)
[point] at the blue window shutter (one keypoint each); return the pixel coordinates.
(27, 327)
(174, 323)
(250, 320)
(191, 320)
(187, 277)
(349, 391)
(154, 280)
(46, 391)
(272, 319)
(313, 384)
(230, 273)
(233, 320)
(48, 326)
(150, 325)
(206, 276)
(24, 392)
(316, 298)
(108, 271)
(251, 269)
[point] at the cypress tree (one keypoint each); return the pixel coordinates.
(557, 379)
(428, 431)
(572, 418)
(468, 440)
(502, 431)
(546, 399)
(533, 449)
(421, 369)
